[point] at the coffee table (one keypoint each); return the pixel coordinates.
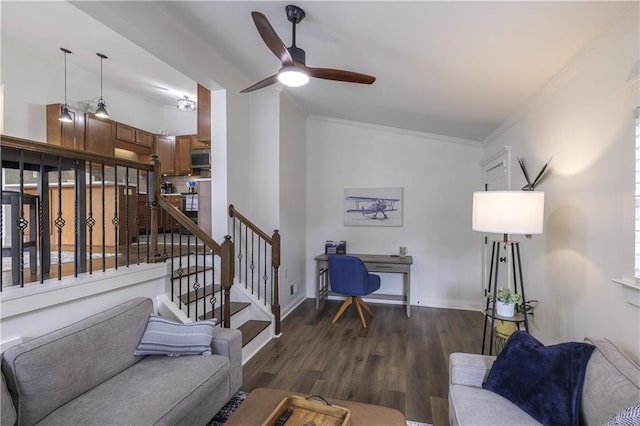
(262, 401)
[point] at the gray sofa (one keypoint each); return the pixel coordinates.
(86, 373)
(612, 383)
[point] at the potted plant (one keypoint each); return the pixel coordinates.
(506, 301)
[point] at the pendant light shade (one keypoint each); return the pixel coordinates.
(64, 110)
(101, 111)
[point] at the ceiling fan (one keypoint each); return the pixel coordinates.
(294, 71)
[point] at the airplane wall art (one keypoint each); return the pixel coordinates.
(373, 207)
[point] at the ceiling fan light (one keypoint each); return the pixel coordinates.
(101, 111)
(186, 104)
(65, 116)
(292, 77)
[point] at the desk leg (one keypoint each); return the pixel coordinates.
(317, 285)
(407, 291)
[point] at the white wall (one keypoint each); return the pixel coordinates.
(438, 175)
(32, 81)
(292, 203)
(583, 119)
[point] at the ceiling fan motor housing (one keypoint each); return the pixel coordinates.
(297, 54)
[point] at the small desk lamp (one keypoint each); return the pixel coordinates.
(507, 212)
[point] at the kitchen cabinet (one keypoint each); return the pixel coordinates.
(204, 114)
(99, 135)
(183, 155)
(165, 149)
(68, 135)
(131, 139)
(196, 144)
(144, 139)
(165, 221)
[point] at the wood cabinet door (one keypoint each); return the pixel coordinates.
(165, 149)
(196, 144)
(144, 138)
(125, 133)
(183, 155)
(204, 114)
(69, 135)
(99, 136)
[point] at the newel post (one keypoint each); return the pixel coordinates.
(153, 192)
(226, 278)
(275, 262)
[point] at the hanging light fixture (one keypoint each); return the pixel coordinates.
(65, 116)
(186, 104)
(101, 111)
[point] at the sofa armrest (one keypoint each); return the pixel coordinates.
(228, 342)
(469, 369)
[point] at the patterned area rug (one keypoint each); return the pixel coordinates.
(225, 412)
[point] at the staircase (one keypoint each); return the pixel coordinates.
(197, 294)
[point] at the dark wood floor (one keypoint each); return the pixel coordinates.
(396, 361)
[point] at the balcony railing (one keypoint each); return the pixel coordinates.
(72, 212)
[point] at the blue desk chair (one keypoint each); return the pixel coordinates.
(349, 276)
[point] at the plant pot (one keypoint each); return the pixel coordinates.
(504, 329)
(505, 310)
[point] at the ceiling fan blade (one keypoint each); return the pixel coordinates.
(340, 75)
(262, 83)
(271, 39)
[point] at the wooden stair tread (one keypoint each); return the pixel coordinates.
(235, 308)
(191, 270)
(192, 296)
(251, 329)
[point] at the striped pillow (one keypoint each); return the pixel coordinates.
(166, 337)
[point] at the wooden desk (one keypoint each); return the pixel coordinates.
(374, 263)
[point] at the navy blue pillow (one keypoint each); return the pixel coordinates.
(544, 381)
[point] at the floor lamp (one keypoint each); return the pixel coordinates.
(506, 212)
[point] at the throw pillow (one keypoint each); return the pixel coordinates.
(544, 381)
(627, 417)
(166, 337)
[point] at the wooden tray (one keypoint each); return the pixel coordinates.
(308, 411)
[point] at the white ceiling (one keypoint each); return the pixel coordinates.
(458, 69)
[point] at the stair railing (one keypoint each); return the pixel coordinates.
(254, 249)
(192, 254)
(89, 211)
(101, 212)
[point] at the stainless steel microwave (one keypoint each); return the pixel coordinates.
(201, 159)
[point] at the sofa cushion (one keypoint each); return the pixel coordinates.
(157, 390)
(470, 405)
(544, 381)
(166, 337)
(49, 371)
(611, 384)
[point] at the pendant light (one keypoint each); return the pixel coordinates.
(186, 104)
(101, 111)
(64, 110)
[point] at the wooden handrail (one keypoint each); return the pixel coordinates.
(274, 242)
(234, 213)
(48, 149)
(187, 223)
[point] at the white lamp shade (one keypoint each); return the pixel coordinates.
(508, 212)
